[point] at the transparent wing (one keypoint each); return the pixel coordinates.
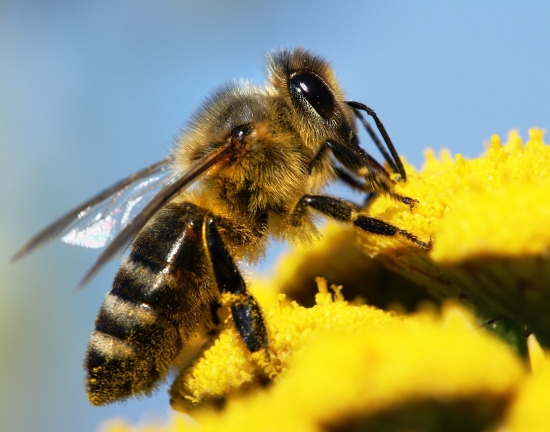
(95, 226)
(97, 221)
(113, 217)
(179, 184)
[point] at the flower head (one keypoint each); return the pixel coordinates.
(351, 366)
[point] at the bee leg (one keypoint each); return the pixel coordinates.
(214, 310)
(244, 308)
(349, 179)
(355, 184)
(344, 211)
(394, 160)
(317, 162)
(363, 165)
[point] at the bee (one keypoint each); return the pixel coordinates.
(251, 166)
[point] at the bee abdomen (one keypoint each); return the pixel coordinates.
(157, 302)
(129, 351)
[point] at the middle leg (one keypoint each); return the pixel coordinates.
(344, 211)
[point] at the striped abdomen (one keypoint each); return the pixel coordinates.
(160, 297)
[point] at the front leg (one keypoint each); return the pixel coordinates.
(344, 211)
(359, 162)
(353, 182)
(233, 294)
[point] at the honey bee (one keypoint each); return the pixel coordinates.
(259, 159)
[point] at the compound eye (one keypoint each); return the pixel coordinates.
(315, 91)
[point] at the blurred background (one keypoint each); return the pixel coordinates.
(93, 91)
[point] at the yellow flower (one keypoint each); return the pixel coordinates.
(226, 365)
(339, 258)
(488, 219)
(351, 366)
(529, 412)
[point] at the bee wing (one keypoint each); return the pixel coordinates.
(98, 225)
(95, 222)
(177, 185)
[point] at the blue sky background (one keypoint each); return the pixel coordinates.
(93, 91)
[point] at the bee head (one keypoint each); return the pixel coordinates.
(309, 88)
